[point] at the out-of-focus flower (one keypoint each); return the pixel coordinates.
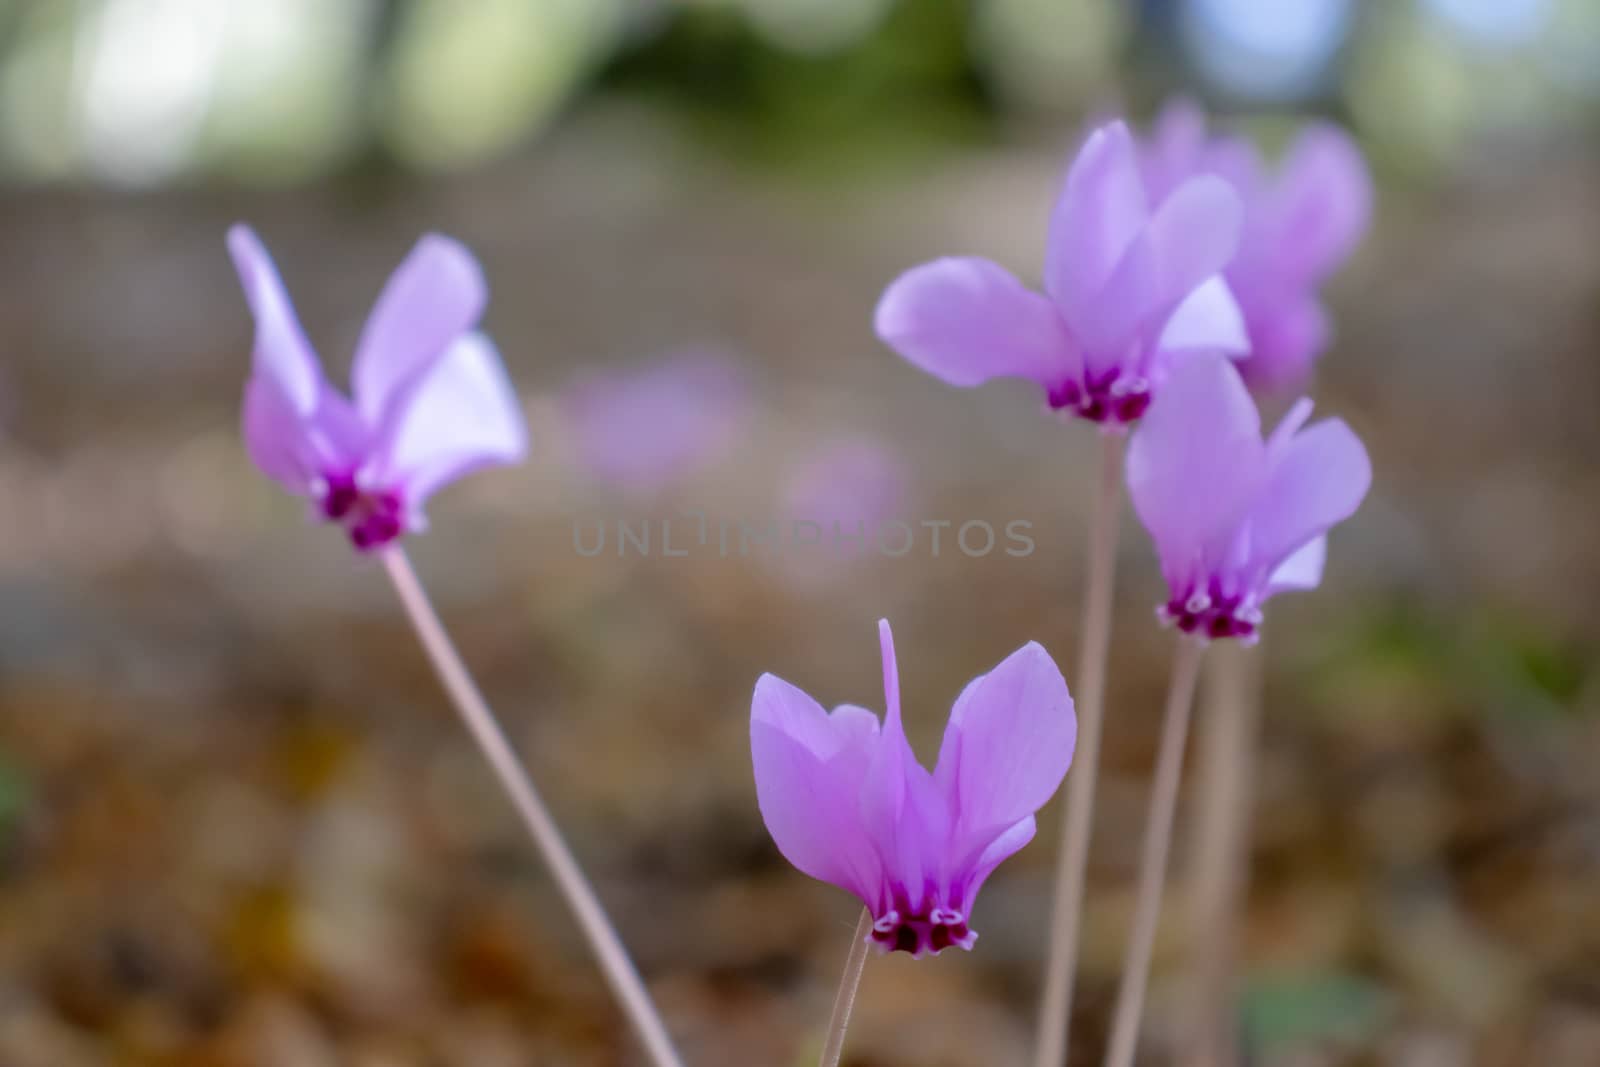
(1236, 519)
(431, 400)
(847, 802)
(1131, 284)
(640, 430)
(1300, 225)
(841, 505)
(846, 488)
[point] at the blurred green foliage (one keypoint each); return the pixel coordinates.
(142, 93)
(1295, 1010)
(909, 83)
(13, 797)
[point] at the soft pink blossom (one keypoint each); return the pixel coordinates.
(1132, 283)
(847, 802)
(431, 401)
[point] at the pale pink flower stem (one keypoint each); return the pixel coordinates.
(1153, 864)
(1055, 1011)
(1221, 830)
(480, 721)
(845, 999)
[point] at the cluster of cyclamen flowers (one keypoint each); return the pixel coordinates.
(1178, 274)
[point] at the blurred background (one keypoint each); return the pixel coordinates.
(239, 824)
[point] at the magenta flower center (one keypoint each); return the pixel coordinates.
(1213, 615)
(1115, 397)
(920, 931)
(372, 517)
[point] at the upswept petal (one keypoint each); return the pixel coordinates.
(1008, 743)
(1191, 236)
(967, 320)
(811, 809)
(996, 850)
(1175, 148)
(283, 359)
(903, 811)
(906, 819)
(1301, 571)
(1180, 146)
(1284, 340)
(434, 297)
(460, 416)
(883, 793)
(276, 437)
(1196, 463)
(809, 770)
(790, 710)
(1208, 320)
(1318, 478)
(1097, 216)
(1322, 203)
(297, 450)
(1236, 161)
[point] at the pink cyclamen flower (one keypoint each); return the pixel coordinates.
(1236, 519)
(1300, 225)
(847, 802)
(639, 430)
(431, 400)
(848, 488)
(1130, 286)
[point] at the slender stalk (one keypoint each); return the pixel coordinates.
(480, 721)
(1232, 699)
(1055, 1009)
(1153, 864)
(845, 999)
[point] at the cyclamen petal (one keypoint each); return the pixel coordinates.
(278, 438)
(1131, 281)
(1322, 205)
(993, 781)
(996, 851)
(847, 802)
(1194, 467)
(434, 400)
(1100, 211)
(1285, 340)
(460, 416)
(791, 712)
(283, 359)
(297, 450)
(1178, 147)
(434, 297)
(1302, 570)
(1188, 240)
(1319, 477)
(806, 763)
(967, 321)
(1300, 225)
(1236, 519)
(1208, 320)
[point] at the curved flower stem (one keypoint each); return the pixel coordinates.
(1055, 1009)
(1153, 864)
(1232, 700)
(845, 999)
(480, 722)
